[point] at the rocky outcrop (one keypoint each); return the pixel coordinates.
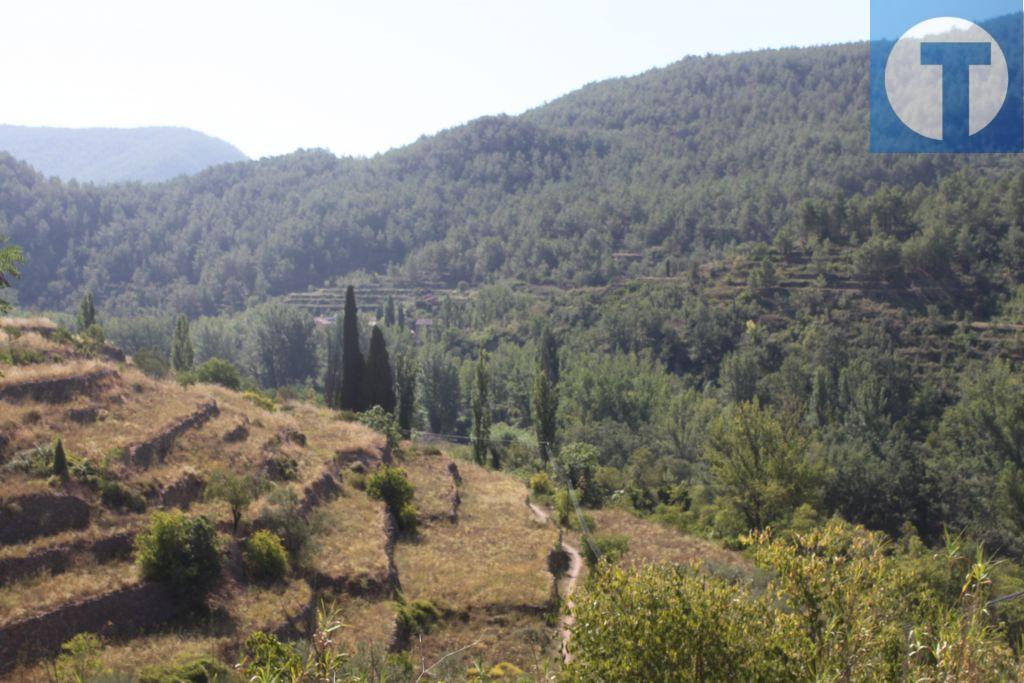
(373, 586)
(84, 416)
(390, 540)
(23, 518)
(57, 389)
(60, 558)
(239, 432)
(184, 492)
(156, 448)
(127, 612)
(319, 491)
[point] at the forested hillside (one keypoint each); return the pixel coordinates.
(111, 155)
(677, 161)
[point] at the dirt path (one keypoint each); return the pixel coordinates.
(567, 584)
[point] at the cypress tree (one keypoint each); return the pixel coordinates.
(405, 380)
(379, 387)
(182, 355)
(545, 413)
(86, 313)
(60, 460)
(389, 312)
(380, 311)
(352, 364)
(332, 376)
(481, 410)
(401, 317)
(549, 356)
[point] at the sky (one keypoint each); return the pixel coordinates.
(359, 78)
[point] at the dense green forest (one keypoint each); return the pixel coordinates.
(704, 153)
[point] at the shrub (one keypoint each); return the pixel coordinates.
(408, 518)
(258, 399)
(540, 484)
(152, 363)
(610, 548)
(218, 371)
(390, 485)
(199, 670)
(238, 491)
(283, 517)
(79, 659)
(379, 420)
(180, 551)
(417, 616)
(264, 557)
(267, 658)
(186, 378)
(117, 496)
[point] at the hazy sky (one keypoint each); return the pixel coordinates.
(359, 77)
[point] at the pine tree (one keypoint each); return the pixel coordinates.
(182, 355)
(333, 374)
(352, 364)
(86, 313)
(379, 382)
(481, 409)
(60, 460)
(549, 356)
(389, 312)
(545, 412)
(405, 381)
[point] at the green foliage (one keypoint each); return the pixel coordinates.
(406, 370)
(180, 551)
(10, 258)
(151, 363)
(182, 354)
(540, 484)
(80, 659)
(841, 606)
(353, 366)
(217, 371)
(383, 422)
(260, 400)
(378, 381)
(265, 557)
(86, 313)
(238, 491)
(278, 345)
(545, 412)
(761, 468)
(117, 496)
(391, 485)
(204, 669)
(481, 410)
(282, 516)
(577, 464)
(608, 549)
(417, 616)
(267, 658)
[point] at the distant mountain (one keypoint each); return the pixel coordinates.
(111, 155)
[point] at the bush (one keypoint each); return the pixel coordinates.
(417, 616)
(186, 378)
(610, 548)
(217, 371)
(260, 400)
(540, 484)
(264, 557)
(79, 659)
(283, 517)
(180, 551)
(152, 363)
(383, 422)
(117, 496)
(390, 485)
(267, 658)
(408, 518)
(200, 670)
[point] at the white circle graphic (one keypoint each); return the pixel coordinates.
(915, 89)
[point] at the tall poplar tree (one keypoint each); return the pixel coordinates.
(481, 405)
(352, 364)
(545, 395)
(333, 374)
(182, 355)
(406, 370)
